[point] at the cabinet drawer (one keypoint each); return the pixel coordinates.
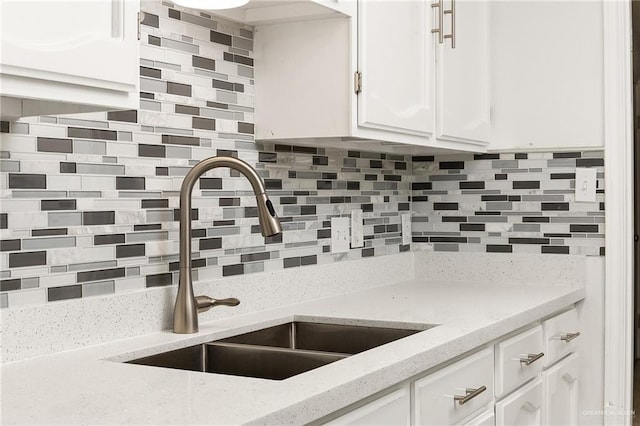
(523, 407)
(391, 409)
(435, 402)
(561, 336)
(518, 360)
(488, 418)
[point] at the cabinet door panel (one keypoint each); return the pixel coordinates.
(92, 43)
(464, 104)
(523, 407)
(561, 392)
(547, 78)
(395, 59)
(392, 409)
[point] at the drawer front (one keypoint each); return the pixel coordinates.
(561, 336)
(488, 418)
(523, 407)
(391, 409)
(435, 395)
(518, 360)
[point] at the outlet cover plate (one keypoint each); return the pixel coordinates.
(586, 179)
(340, 234)
(406, 229)
(357, 229)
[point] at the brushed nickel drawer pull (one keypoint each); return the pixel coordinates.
(451, 35)
(438, 30)
(531, 358)
(471, 393)
(567, 337)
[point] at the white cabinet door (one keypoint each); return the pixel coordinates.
(547, 75)
(561, 392)
(523, 407)
(463, 89)
(59, 50)
(391, 409)
(395, 57)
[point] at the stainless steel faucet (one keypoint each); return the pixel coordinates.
(185, 313)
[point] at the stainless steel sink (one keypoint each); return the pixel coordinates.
(346, 339)
(241, 360)
(278, 352)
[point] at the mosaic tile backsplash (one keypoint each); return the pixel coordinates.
(507, 203)
(90, 201)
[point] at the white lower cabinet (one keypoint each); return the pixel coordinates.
(561, 382)
(523, 407)
(391, 409)
(536, 373)
(455, 392)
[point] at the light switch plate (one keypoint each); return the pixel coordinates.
(339, 234)
(586, 179)
(357, 230)
(406, 229)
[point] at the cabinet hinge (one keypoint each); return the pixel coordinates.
(357, 82)
(140, 19)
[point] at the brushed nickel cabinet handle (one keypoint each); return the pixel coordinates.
(438, 30)
(451, 35)
(470, 394)
(567, 337)
(531, 358)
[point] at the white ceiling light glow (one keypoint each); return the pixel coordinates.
(211, 4)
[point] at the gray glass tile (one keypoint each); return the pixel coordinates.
(100, 169)
(103, 274)
(203, 22)
(79, 132)
(4, 300)
(200, 62)
(178, 89)
(180, 45)
(27, 181)
(47, 243)
(129, 116)
(149, 236)
(35, 258)
(54, 145)
(98, 288)
(92, 265)
(64, 293)
(64, 219)
(99, 218)
(180, 140)
(150, 106)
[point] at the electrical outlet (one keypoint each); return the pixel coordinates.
(357, 229)
(339, 234)
(406, 229)
(586, 184)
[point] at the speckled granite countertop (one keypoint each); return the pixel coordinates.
(90, 386)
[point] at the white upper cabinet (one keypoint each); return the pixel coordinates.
(463, 78)
(377, 72)
(68, 56)
(397, 67)
(547, 74)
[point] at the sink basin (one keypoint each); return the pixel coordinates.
(347, 339)
(241, 360)
(278, 352)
